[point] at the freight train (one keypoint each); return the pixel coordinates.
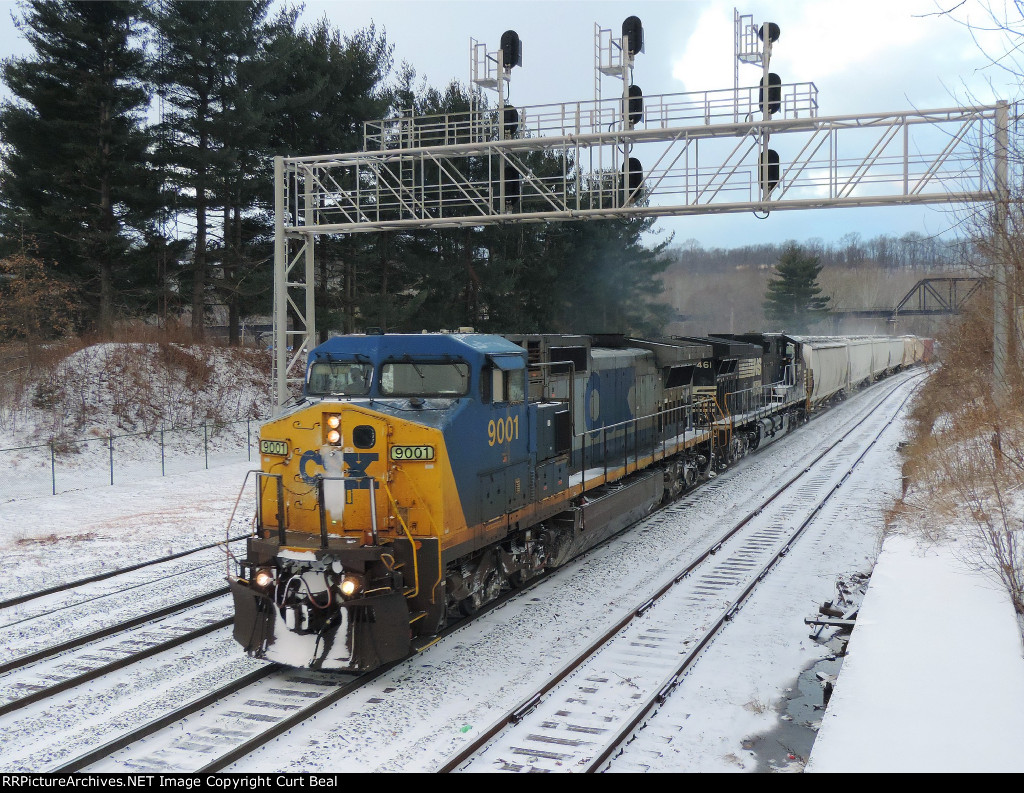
(423, 475)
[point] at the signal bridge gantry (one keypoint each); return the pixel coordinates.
(451, 171)
(707, 152)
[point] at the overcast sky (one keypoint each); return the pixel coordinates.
(864, 56)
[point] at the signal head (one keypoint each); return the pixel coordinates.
(633, 29)
(773, 32)
(511, 49)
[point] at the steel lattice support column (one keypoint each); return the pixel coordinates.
(291, 344)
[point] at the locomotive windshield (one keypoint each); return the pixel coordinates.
(339, 378)
(424, 379)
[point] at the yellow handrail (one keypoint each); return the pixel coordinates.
(430, 517)
(412, 542)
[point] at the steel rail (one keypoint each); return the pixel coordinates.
(113, 666)
(294, 720)
(517, 714)
(71, 644)
(271, 732)
(726, 616)
(148, 729)
(115, 593)
(111, 573)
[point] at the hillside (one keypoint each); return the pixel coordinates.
(78, 415)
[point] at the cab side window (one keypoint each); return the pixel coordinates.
(516, 386)
(505, 386)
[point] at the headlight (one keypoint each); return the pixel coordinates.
(351, 584)
(334, 436)
(263, 579)
(334, 422)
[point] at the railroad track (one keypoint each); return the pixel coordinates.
(236, 719)
(43, 624)
(249, 711)
(55, 670)
(7, 606)
(209, 735)
(577, 719)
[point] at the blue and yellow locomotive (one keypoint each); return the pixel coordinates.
(423, 475)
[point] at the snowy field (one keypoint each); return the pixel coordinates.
(935, 674)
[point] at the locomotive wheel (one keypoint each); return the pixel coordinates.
(520, 578)
(488, 591)
(674, 484)
(709, 467)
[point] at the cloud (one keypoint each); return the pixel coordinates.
(869, 56)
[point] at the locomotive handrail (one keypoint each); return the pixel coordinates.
(634, 422)
(228, 555)
(726, 418)
(649, 417)
(321, 478)
(767, 398)
(708, 404)
(408, 533)
(771, 392)
(280, 503)
(412, 543)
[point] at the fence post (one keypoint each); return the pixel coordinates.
(248, 440)
(163, 471)
(53, 468)
(206, 447)
(110, 437)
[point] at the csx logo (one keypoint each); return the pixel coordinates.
(356, 464)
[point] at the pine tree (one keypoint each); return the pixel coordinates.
(604, 279)
(793, 296)
(76, 178)
(214, 130)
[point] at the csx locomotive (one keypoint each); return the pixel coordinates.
(423, 475)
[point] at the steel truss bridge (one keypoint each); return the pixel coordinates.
(928, 297)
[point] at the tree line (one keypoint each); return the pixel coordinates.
(911, 251)
(136, 181)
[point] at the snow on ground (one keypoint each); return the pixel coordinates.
(726, 717)
(52, 539)
(934, 679)
(127, 412)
